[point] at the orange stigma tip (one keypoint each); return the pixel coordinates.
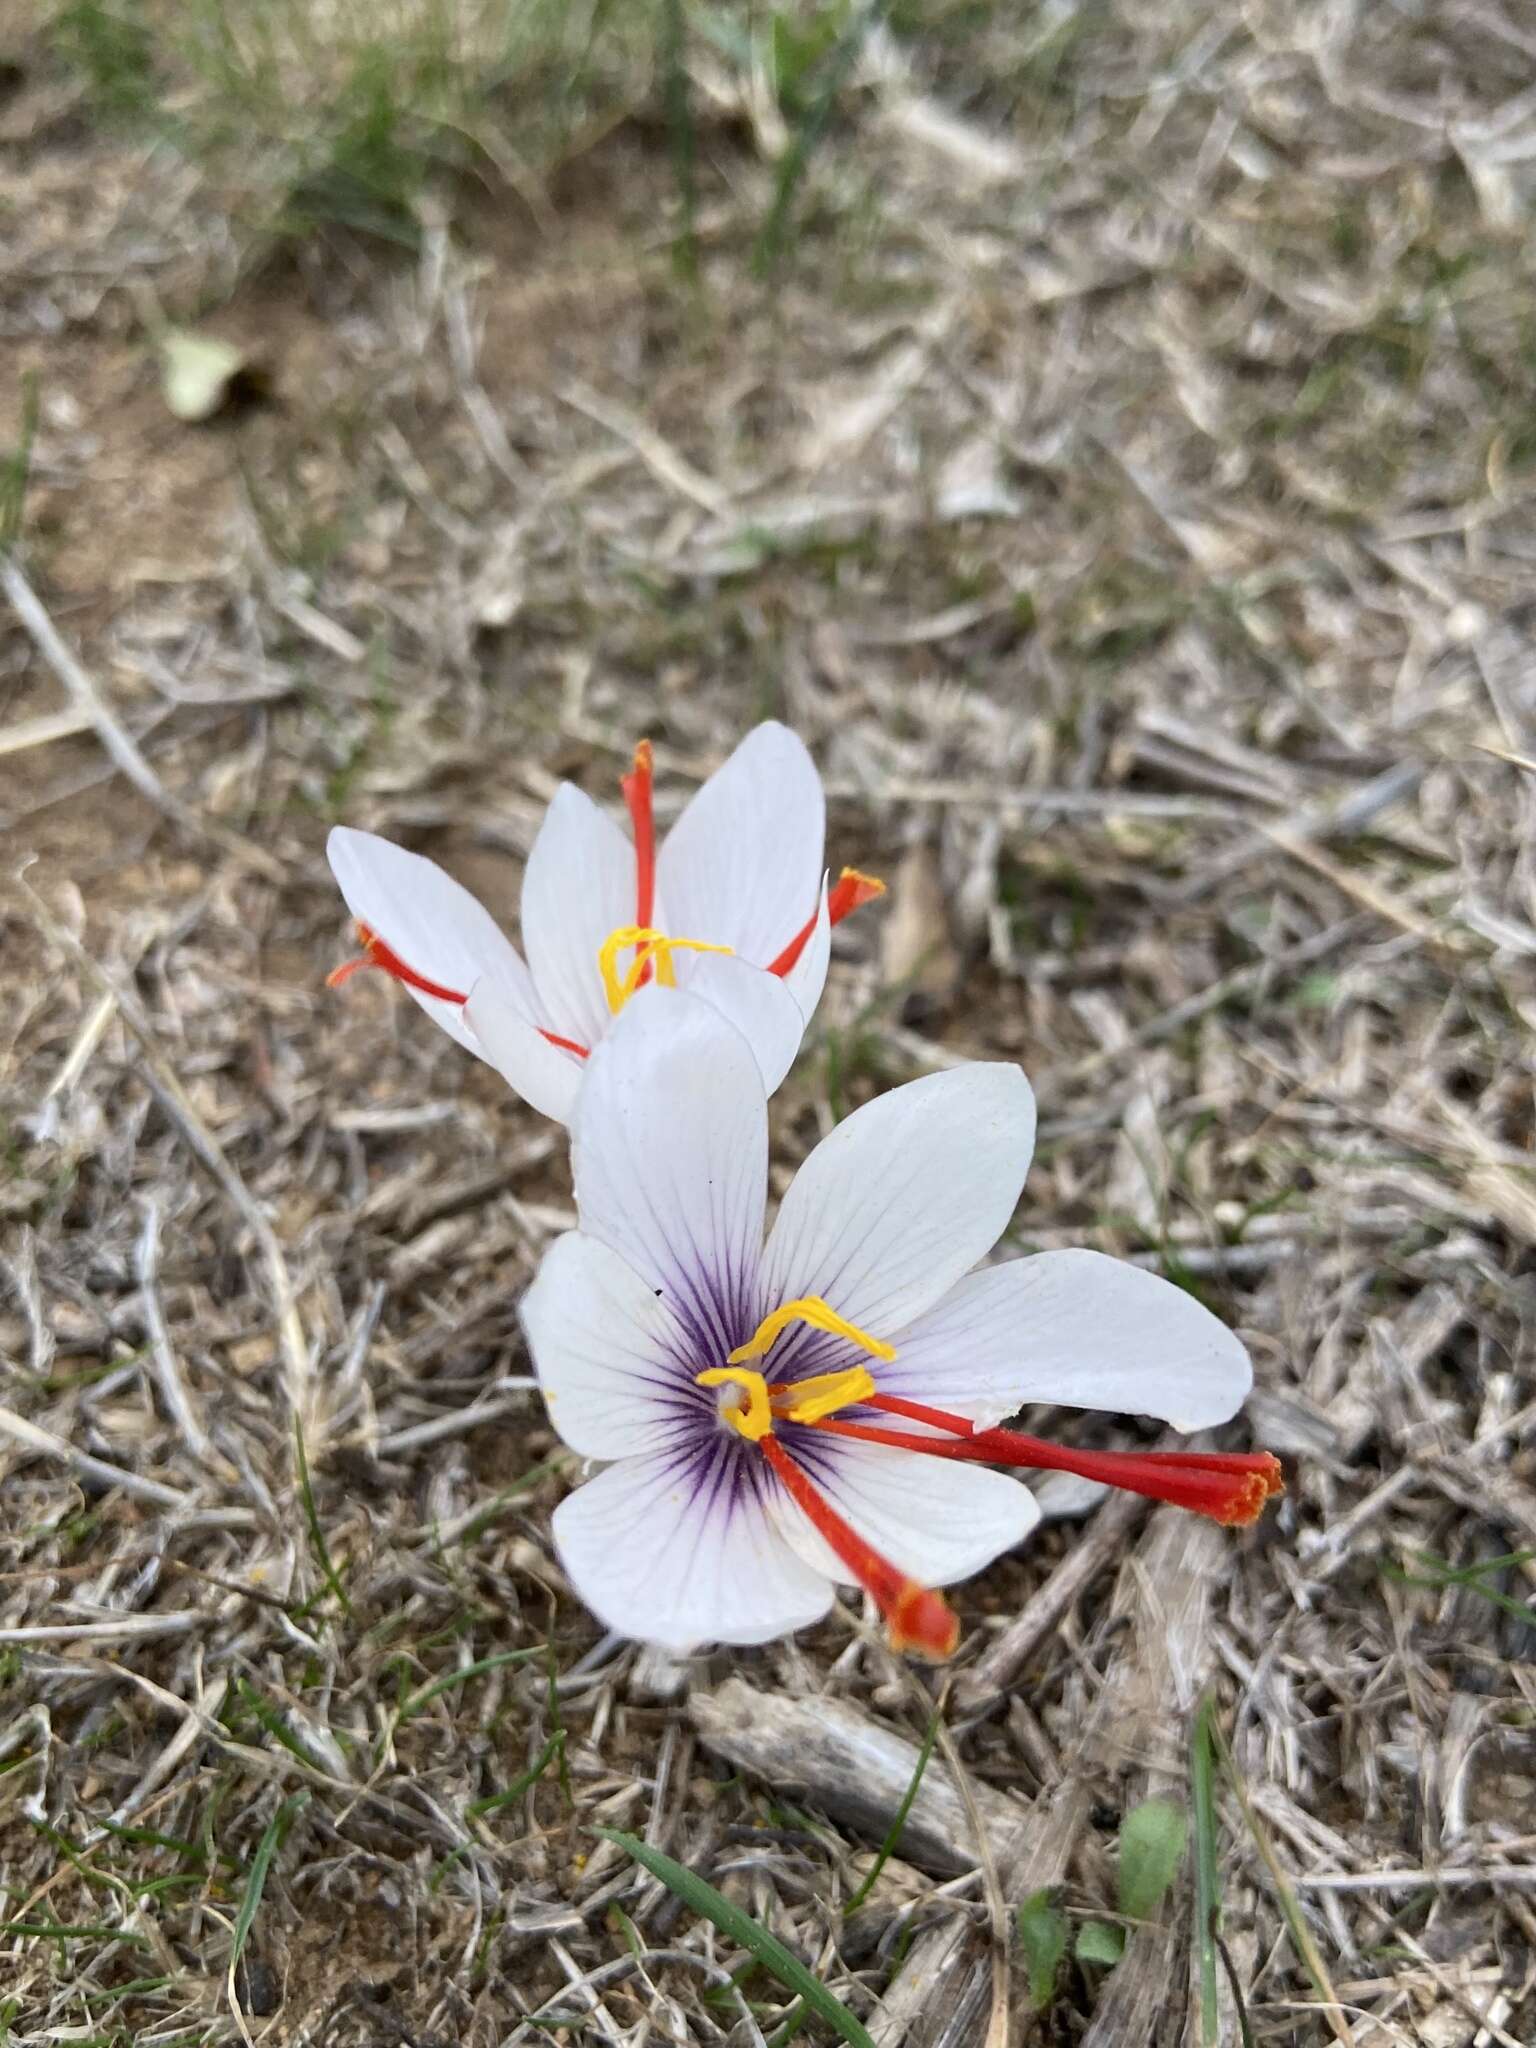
(852, 892)
(849, 893)
(1253, 1493)
(923, 1623)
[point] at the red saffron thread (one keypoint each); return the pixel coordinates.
(850, 892)
(916, 1617)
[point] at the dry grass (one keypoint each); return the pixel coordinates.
(1125, 485)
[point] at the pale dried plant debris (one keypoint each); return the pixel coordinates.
(1126, 486)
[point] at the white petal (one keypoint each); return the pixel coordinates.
(426, 918)
(680, 1552)
(757, 1003)
(742, 865)
(502, 1032)
(607, 1353)
(1074, 1328)
(936, 1519)
(578, 887)
(808, 977)
(669, 1153)
(903, 1197)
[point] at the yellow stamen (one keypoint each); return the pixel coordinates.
(802, 1401)
(652, 948)
(810, 1308)
(754, 1417)
(813, 1399)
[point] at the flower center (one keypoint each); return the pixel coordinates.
(808, 1400)
(917, 1618)
(651, 949)
(802, 1401)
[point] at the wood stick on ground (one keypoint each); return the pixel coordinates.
(829, 1753)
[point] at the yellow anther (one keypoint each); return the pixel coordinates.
(651, 946)
(810, 1308)
(754, 1418)
(810, 1400)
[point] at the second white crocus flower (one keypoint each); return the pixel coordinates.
(732, 906)
(747, 1393)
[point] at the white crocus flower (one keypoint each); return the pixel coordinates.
(733, 906)
(746, 1392)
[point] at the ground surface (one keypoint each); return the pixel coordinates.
(1124, 481)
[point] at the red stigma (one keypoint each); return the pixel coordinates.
(376, 953)
(917, 1618)
(1229, 1488)
(849, 893)
(636, 786)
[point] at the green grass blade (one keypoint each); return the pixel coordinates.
(271, 1841)
(893, 1834)
(681, 137)
(557, 1727)
(312, 1522)
(473, 1531)
(1308, 1953)
(49, 1930)
(524, 1780)
(797, 157)
(16, 467)
(464, 1672)
(1202, 1775)
(1473, 1576)
(794, 2020)
(701, 1896)
(152, 1838)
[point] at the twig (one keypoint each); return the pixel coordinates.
(95, 1471)
(118, 742)
(167, 1371)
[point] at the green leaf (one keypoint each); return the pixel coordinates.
(1152, 1838)
(697, 1893)
(1043, 1937)
(1098, 1942)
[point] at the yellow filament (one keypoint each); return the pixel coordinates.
(810, 1400)
(650, 946)
(810, 1308)
(754, 1418)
